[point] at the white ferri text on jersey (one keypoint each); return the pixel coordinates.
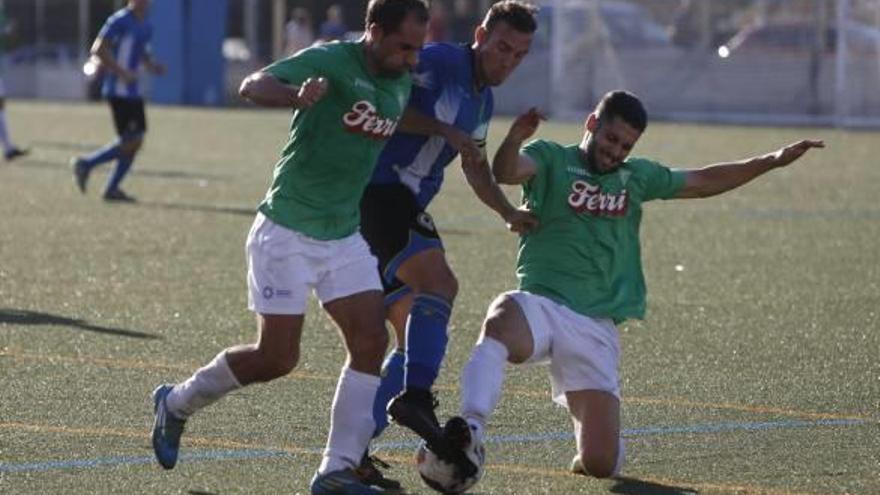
(365, 120)
(587, 198)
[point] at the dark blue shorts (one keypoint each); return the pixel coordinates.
(128, 116)
(396, 228)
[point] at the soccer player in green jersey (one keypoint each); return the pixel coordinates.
(348, 98)
(580, 271)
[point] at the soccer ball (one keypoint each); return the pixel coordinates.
(445, 477)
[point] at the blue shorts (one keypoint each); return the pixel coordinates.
(396, 227)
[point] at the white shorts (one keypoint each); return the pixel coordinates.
(583, 352)
(284, 266)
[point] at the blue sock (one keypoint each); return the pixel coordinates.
(123, 164)
(105, 154)
(391, 385)
(426, 340)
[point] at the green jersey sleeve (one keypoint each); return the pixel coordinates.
(657, 180)
(311, 62)
(534, 190)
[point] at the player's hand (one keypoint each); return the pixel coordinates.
(158, 68)
(312, 90)
(127, 76)
(525, 125)
(792, 152)
(521, 221)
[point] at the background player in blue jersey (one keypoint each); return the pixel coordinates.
(10, 151)
(448, 114)
(122, 45)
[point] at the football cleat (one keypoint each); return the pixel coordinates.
(370, 474)
(13, 153)
(414, 409)
(167, 429)
(342, 482)
(118, 195)
(80, 173)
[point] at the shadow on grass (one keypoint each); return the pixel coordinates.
(32, 162)
(633, 486)
(232, 210)
(199, 492)
(26, 317)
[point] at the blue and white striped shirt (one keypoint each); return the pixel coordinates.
(443, 88)
(129, 38)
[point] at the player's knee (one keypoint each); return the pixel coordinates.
(599, 464)
(131, 146)
(442, 283)
(496, 327)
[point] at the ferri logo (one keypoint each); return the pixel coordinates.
(588, 198)
(364, 119)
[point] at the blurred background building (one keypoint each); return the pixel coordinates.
(761, 61)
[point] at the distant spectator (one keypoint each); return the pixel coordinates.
(438, 23)
(334, 27)
(298, 32)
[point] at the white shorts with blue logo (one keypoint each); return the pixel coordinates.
(284, 266)
(583, 352)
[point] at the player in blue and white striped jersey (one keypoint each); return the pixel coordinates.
(122, 45)
(448, 115)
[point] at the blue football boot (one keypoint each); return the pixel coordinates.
(167, 429)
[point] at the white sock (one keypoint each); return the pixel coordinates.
(481, 382)
(351, 421)
(206, 386)
(621, 457)
(4, 134)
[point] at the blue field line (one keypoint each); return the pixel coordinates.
(213, 455)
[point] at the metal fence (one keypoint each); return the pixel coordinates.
(784, 61)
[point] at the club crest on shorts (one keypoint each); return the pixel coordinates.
(426, 221)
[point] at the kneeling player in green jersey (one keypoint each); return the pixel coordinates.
(348, 98)
(580, 272)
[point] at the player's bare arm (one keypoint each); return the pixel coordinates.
(266, 90)
(416, 122)
(721, 177)
(480, 179)
(153, 65)
(101, 48)
(509, 165)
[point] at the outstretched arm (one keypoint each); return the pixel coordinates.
(721, 177)
(266, 90)
(509, 165)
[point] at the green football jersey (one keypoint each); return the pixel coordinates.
(586, 254)
(333, 146)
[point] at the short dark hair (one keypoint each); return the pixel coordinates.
(389, 14)
(625, 105)
(517, 14)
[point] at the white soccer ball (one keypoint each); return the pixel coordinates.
(443, 476)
